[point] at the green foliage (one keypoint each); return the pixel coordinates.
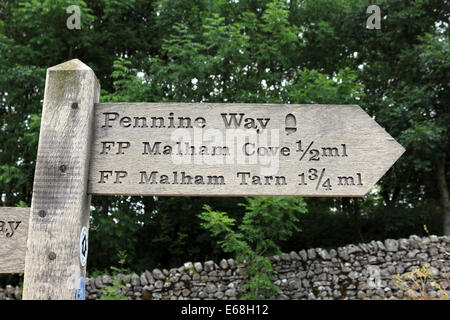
(116, 290)
(266, 222)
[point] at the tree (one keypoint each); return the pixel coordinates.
(266, 222)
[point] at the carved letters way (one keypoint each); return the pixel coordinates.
(90, 148)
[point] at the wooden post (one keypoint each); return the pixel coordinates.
(60, 204)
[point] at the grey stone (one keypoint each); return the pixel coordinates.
(391, 245)
(239, 271)
(210, 287)
(391, 270)
(175, 278)
(294, 256)
(294, 284)
(135, 280)
(18, 293)
(188, 265)
(142, 280)
(148, 288)
(185, 292)
(381, 246)
(231, 263)
(399, 269)
(411, 254)
(9, 291)
(221, 287)
(158, 275)
(185, 277)
(380, 292)
(311, 254)
(219, 295)
(434, 272)
(305, 283)
(159, 284)
(157, 295)
(333, 253)
(336, 294)
(323, 254)
(149, 277)
(364, 247)
(223, 264)
(374, 246)
(403, 244)
(372, 260)
(433, 252)
(298, 295)
(209, 266)
(230, 292)
(303, 255)
(352, 249)
(285, 257)
(343, 254)
(98, 282)
(275, 258)
(198, 267)
(422, 256)
(178, 270)
(360, 295)
(415, 241)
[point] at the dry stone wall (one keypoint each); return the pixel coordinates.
(364, 271)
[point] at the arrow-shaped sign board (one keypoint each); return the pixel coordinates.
(210, 149)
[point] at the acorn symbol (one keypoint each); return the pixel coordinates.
(290, 123)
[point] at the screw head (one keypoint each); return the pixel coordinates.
(42, 213)
(74, 105)
(63, 168)
(52, 256)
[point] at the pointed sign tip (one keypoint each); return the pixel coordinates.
(74, 64)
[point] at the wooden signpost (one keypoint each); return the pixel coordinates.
(89, 148)
(237, 149)
(13, 235)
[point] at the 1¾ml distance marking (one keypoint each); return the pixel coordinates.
(341, 180)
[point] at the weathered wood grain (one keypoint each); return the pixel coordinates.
(329, 150)
(60, 204)
(13, 235)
